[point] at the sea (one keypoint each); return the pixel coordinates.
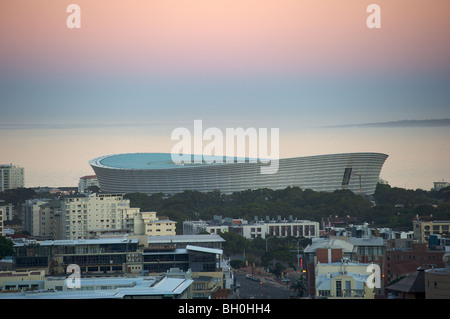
(57, 156)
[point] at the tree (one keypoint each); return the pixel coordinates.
(299, 286)
(18, 195)
(6, 247)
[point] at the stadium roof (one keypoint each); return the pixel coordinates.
(160, 161)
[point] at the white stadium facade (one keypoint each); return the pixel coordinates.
(152, 173)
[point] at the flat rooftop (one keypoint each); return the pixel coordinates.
(184, 239)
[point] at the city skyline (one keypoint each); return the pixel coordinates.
(136, 70)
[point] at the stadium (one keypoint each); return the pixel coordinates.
(151, 173)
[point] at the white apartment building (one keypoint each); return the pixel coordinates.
(8, 210)
(147, 223)
(86, 182)
(11, 177)
(258, 228)
(440, 185)
(50, 220)
(83, 212)
(84, 215)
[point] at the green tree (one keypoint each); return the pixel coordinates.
(6, 247)
(299, 286)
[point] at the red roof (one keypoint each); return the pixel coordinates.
(89, 177)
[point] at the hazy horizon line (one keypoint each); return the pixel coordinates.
(399, 123)
(395, 123)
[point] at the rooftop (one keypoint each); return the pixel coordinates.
(138, 286)
(184, 239)
(96, 241)
(155, 161)
(414, 282)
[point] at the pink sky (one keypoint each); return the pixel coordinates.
(202, 35)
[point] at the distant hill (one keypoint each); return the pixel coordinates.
(403, 123)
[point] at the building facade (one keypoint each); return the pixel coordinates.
(437, 280)
(11, 177)
(87, 216)
(126, 257)
(151, 173)
(136, 287)
(254, 229)
(342, 280)
(94, 256)
(424, 226)
(332, 250)
(86, 182)
(31, 218)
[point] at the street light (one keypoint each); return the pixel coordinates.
(267, 238)
(298, 254)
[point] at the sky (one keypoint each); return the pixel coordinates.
(154, 65)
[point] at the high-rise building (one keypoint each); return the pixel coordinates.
(86, 214)
(31, 218)
(11, 177)
(83, 212)
(86, 182)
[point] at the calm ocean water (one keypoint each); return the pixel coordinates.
(59, 156)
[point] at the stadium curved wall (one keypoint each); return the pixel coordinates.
(151, 173)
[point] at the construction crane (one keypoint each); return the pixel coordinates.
(360, 185)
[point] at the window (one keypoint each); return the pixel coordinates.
(346, 177)
(338, 288)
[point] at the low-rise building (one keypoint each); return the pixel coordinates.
(332, 250)
(343, 280)
(424, 226)
(182, 241)
(16, 280)
(437, 280)
(408, 257)
(440, 185)
(256, 228)
(158, 287)
(110, 256)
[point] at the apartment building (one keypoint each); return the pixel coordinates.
(31, 217)
(1, 220)
(94, 211)
(149, 224)
(87, 181)
(87, 216)
(8, 210)
(424, 226)
(11, 177)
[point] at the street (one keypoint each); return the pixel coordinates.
(264, 288)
